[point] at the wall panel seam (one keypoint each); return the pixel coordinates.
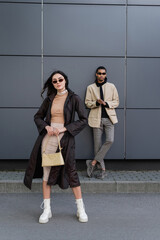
(125, 82)
(42, 62)
(20, 2)
(92, 4)
(78, 56)
(145, 5)
(120, 108)
(85, 4)
(83, 56)
(18, 55)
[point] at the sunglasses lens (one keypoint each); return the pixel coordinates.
(101, 73)
(55, 81)
(60, 80)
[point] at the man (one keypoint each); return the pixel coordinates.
(102, 99)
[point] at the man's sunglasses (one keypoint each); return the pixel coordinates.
(101, 73)
(56, 81)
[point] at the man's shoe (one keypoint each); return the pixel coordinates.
(90, 168)
(98, 166)
(101, 175)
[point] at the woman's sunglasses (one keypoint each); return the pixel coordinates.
(56, 81)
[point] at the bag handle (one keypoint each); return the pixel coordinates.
(58, 144)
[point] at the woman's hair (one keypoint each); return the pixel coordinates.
(49, 85)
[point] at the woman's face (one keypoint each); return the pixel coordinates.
(58, 82)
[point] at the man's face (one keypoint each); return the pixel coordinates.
(101, 75)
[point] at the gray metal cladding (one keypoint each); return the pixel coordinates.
(143, 35)
(18, 132)
(142, 134)
(20, 81)
(21, 29)
(78, 36)
(143, 83)
(78, 30)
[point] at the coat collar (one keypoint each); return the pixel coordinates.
(100, 84)
(52, 96)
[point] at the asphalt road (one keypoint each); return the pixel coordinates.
(111, 217)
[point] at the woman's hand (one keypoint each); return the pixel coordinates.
(62, 130)
(52, 131)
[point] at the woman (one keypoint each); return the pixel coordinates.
(56, 117)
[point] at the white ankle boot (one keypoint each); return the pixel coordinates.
(44, 218)
(81, 214)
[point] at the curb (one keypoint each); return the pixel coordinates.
(12, 186)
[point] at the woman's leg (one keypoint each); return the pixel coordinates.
(49, 145)
(47, 214)
(46, 190)
(81, 214)
(77, 192)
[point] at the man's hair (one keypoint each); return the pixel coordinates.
(101, 67)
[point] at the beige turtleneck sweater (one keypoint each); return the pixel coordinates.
(57, 114)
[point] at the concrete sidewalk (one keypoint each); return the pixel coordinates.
(115, 182)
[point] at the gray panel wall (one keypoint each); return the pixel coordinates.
(143, 31)
(77, 36)
(75, 30)
(143, 80)
(20, 81)
(20, 29)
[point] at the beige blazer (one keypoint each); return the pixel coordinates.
(110, 96)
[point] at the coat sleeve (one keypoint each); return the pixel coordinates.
(90, 103)
(39, 117)
(115, 99)
(75, 127)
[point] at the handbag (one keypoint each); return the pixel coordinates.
(52, 159)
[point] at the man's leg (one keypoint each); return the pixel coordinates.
(97, 137)
(109, 132)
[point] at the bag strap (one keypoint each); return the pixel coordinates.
(58, 144)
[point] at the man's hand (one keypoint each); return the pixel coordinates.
(100, 101)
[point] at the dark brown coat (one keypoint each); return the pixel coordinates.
(66, 175)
